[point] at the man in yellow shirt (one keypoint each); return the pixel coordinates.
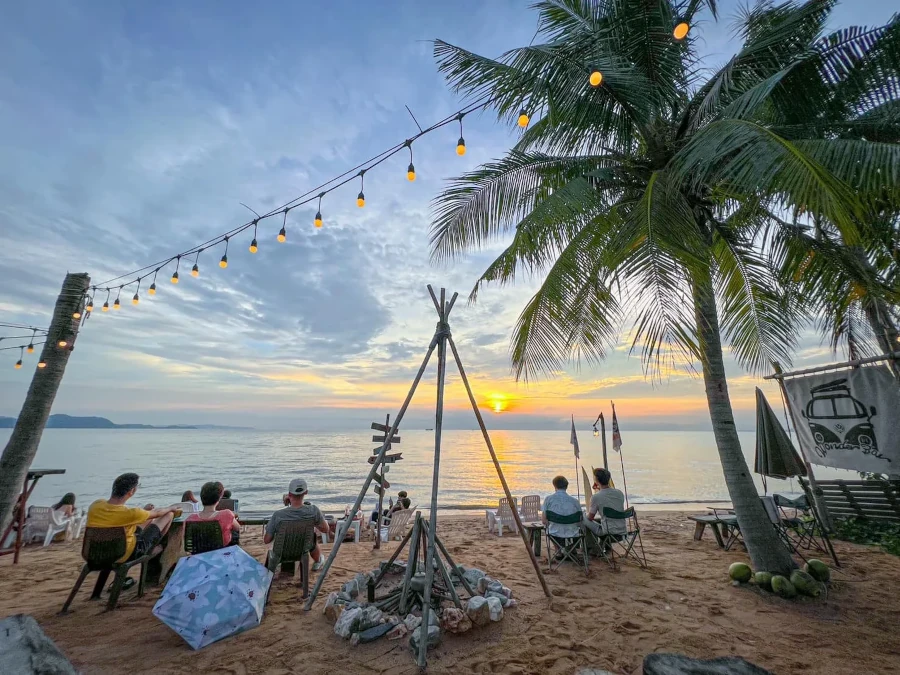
(144, 528)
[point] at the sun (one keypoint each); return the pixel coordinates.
(498, 402)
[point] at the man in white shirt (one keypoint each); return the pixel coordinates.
(562, 504)
(606, 496)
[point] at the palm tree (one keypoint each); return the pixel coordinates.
(652, 198)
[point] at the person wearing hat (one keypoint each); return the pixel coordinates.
(298, 510)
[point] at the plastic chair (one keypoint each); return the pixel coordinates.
(573, 549)
(58, 523)
(341, 531)
(531, 508)
(78, 524)
(37, 522)
(102, 547)
(201, 536)
(503, 516)
(293, 541)
(396, 526)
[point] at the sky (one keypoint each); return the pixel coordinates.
(133, 131)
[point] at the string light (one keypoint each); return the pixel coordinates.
(30, 347)
(19, 362)
(117, 305)
(317, 221)
(177, 263)
(152, 289)
(523, 118)
(76, 314)
(253, 247)
(461, 143)
(681, 30)
(282, 234)
(223, 263)
(89, 305)
(62, 344)
(596, 78)
(361, 197)
(42, 364)
(137, 298)
(411, 169)
(195, 270)
(105, 307)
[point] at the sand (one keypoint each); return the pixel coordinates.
(684, 603)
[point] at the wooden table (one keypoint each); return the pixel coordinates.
(535, 534)
(33, 476)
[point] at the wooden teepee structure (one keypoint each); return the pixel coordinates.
(441, 340)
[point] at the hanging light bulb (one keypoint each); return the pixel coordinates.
(523, 119)
(76, 314)
(282, 233)
(19, 362)
(30, 346)
(596, 431)
(105, 307)
(137, 298)
(195, 270)
(116, 304)
(62, 344)
(89, 305)
(42, 364)
(223, 263)
(152, 289)
(596, 78)
(317, 221)
(411, 169)
(253, 246)
(175, 275)
(681, 30)
(361, 197)
(461, 143)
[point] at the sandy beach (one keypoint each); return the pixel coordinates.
(683, 603)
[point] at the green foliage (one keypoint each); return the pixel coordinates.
(866, 531)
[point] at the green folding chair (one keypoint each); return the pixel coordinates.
(627, 544)
(573, 549)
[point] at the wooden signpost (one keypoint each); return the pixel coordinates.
(388, 437)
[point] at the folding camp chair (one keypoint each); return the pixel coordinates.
(293, 541)
(627, 544)
(573, 548)
(802, 523)
(102, 547)
(531, 508)
(201, 536)
(228, 505)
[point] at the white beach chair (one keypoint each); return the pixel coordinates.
(78, 525)
(502, 517)
(355, 525)
(530, 510)
(58, 523)
(37, 522)
(397, 527)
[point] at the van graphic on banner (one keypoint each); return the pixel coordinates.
(848, 419)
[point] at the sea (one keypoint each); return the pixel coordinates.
(662, 469)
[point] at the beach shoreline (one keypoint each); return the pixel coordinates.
(683, 603)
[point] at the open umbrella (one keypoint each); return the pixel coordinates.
(775, 454)
(213, 595)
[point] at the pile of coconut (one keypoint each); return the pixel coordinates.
(360, 621)
(811, 581)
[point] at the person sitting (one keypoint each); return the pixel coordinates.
(189, 498)
(66, 505)
(562, 504)
(298, 510)
(605, 496)
(226, 494)
(144, 528)
(210, 494)
(403, 502)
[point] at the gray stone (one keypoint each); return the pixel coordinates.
(373, 633)
(412, 622)
(351, 588)
(495, 608)
(343, 595)
(26, 650)
(398, 632)
(478, 611)
(334, 606)
(676, 664)
(370, 616)
(454, 620)
(434, 638)
(417, 583)
(348, 623)
(471, 575)
(433, 618)
(502, 598)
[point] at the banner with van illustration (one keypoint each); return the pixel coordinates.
(848, 419)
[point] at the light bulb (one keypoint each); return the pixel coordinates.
(30, 349)
(76, 314)
(253, 247)
(89, 307)
(461, 146)
(410, 172)
(62, 343)
(596, 78)
(523, 119)
(175, 278)
(42, 364)
(116, 304)
(105, 306)
(282, 235)
(681, 30)
(360, 199)
(152, 289)
(18, 364)
(596, 432)
(135, 300)
(318, 221)
(223, 263)
(195, 270)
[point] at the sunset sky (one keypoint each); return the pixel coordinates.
(132, 131)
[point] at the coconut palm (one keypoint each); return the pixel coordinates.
(657, 197)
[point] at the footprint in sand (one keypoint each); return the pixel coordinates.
(627, 628)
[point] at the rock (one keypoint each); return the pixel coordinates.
(373, 633)
(370, 616)
(334, 606)
(348, 623)
(454, 620)
(398, 632)
(26, 650)
(740, 572)
(433, 618)
(351, 588)
(504, 600)
(343, 595)
(471, 575)
(354, 639)
(495, 608)
(412, 622)
(434, 638)
(676, 664)
(417, 583)
(478, 611)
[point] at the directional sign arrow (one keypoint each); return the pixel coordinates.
(388, 459)
(378, 490)
(381, 481)
(380, 427)
(380, 439)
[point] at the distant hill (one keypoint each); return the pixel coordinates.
(71, 422)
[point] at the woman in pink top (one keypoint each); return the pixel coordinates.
(210, 494)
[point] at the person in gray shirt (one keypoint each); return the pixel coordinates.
(606, 496)
(298, 510)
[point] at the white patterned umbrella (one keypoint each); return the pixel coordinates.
(213, 595)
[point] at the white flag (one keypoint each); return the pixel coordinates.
(616, 436)
(574, 439)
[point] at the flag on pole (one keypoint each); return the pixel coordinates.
(616, 437)
(574, 439)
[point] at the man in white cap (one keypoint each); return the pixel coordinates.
(298, 511)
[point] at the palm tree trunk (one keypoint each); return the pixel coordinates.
(767, 552)
(25, 438)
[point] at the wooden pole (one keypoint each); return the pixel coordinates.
(365, 488)
(490, 446)
(452, 564)
(393, 557)
(411, 560)
(26, 436)
(603, 441)
(443, 331)
(387, 423)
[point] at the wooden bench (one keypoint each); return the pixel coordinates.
(714, 522)
(875, 499)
